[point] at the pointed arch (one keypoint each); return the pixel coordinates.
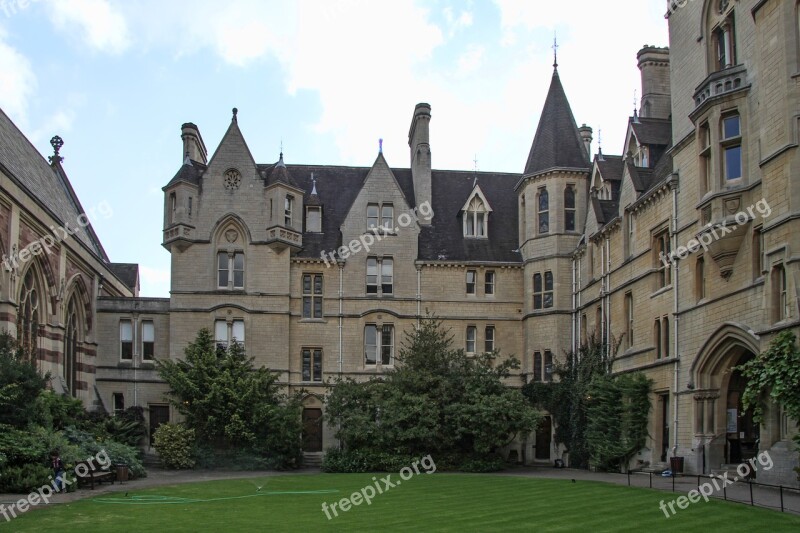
(73, 340)
(721, 350)
(76, 286)
(230, 221)
(31, 308)
(229, 239)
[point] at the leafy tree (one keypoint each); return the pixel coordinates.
(229, 403)
(20, 384)
(774, 375)
(436, 401)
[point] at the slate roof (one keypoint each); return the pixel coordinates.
(48, 185)
(605, 210)
(557, 142)
(610, 167)
(280, 174)
(443, 240)
(653, 131)
(128, 273)
(189, 172)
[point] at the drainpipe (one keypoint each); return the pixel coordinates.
(419, 293)
(340, 264)
(607, 310)
(574, 302)
(676, 318)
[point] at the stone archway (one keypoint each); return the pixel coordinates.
(724, 432)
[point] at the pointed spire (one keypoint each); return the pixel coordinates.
(280, 161)
(600, 145)
(235, 112)
(557, 143)
(313, 185)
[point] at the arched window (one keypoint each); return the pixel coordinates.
(544, 211)
(29, 314)
(71, 333)
(476, 219)
(722, 36)
(569, 208)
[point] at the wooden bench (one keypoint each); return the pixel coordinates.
(89, 472)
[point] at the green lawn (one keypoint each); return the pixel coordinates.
(437, 502)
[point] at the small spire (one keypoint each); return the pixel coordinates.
(186, 160)
(380, 146)
(235, 112)
(635, 108)
(56, 142)
(555, 50)
(600, 145)
(313, 185)
(280, 162)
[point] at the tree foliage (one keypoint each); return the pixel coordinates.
(230, 404)
(436, 401)
(20, 384)
(600, 419)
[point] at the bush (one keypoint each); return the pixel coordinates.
(57, 411)
(88, 446)
(236, 459)
(356, 460)
(174, 444)
(24, 478)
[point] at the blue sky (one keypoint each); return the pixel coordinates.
(327, 78)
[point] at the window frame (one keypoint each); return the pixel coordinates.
(629, 319)
(728, 143)
(540, 296)
(230, 270)
(700, 278)
(380, 352)
(472, 286)
(489, 282)
(548, 367)
(489, 340)
(570, 212)
(471, 338)
(313, 209)
(662, 244)
(542, 211)
(538, 367)
(315, 298)
(116, 399)
(657, 338)
(311, 367)
(230, 333)
(288, 211)
(379, 286)
(148, 345)
(123, 343)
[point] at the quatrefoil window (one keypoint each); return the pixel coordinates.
(233, 178)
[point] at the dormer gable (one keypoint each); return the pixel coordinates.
(475, 214)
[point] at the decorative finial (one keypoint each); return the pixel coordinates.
(56, 142)
(475, 163)
(235, 112)
(555, 50)
(600, 145)
(313, 185)
(380, 146)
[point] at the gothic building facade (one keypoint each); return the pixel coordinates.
(680, 254)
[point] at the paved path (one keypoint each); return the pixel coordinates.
(762, 496)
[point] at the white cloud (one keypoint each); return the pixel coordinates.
(471, 60)
(17, 82)
(100, 25)
(456, 23)
(57, 124)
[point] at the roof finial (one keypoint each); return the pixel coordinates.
(555, 50)
(600, 145)
(313, 185)
(56, 142)
(380, 146)
(235, 112)
(635, 108)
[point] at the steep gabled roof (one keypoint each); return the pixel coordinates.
(128, 273)
(557, 143)
(189, 172)
(610, 167)
(652, 131)
(280, 174)
(47, 184)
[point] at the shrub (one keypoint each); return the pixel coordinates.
(24, 478)
(58, 411)
(174, 444)
(88, 446)
(20, 384)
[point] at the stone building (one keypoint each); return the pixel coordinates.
(54, 268)
(319, 270)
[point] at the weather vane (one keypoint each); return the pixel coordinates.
(555, 50)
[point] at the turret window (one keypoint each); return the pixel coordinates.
(544, 211)
(543, 290)
(288, 209)
(230, 270)
(569, 208)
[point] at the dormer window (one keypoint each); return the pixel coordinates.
(475, 219)
(313, 219)
(644, 157)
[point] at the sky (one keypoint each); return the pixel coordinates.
(323, 79)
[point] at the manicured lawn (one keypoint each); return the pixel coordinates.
(437, 502)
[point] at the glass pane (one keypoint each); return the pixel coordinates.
(238, 261)
(569, 198)
(548, 300)
(317, 307)
(544, 200)
(307, 284)
(221, 331)
(733, 162)
(222, 261)
(306, 365)
(387, 345)
(544, 222)
(371, 344)
(317, 365)
(222, 279)
(569, 222)
(238, 279)
(125, 330)
(470, 224)
(372, 216)
(148, 332)
(372, 266)
(238, 330)
(480, 230)
(537, 367)
(306, 307)
(317, 284)
(537, 301)
(731, 127)
(489, 288)
(537, 283)
(313, 219)
(470, 276)
(548, 281)
(387, 216)
(387, 269)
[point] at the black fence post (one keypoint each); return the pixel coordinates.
(651, 480)
(781, 489)
(629, 478)
(673, 482)
(751, 492)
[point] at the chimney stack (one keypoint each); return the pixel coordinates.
(586, 135)
(654, 66)
(193, 144)
(419, 143)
